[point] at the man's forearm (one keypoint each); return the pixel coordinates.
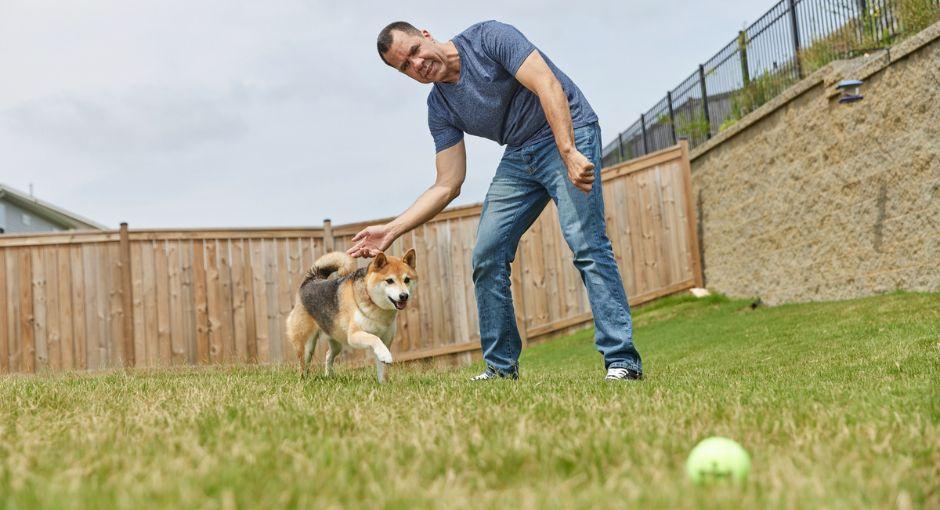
(558, 114)
(431, 202)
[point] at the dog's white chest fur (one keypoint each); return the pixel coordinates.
(382, 329)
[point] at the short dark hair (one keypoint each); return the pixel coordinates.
(384, 41)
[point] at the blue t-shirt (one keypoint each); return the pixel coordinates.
(487, 100)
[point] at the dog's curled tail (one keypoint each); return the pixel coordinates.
(333, 262)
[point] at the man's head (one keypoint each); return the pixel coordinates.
(413, 52)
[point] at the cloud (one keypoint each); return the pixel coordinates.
(139, 120)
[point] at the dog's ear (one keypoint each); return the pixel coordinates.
(379, 262)
(409, 258)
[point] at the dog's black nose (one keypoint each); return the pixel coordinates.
(403, 297)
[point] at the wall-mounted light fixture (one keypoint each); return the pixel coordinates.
(850, 91)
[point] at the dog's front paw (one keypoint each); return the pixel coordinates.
(384, 355)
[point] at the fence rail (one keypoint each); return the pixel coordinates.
(147, 298)
(791, 40)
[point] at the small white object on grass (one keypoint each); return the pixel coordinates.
(700, 292)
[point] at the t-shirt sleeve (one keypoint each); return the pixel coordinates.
(442, 130)
(505, 44)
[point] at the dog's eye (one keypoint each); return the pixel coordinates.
(407, 280)
(390, 281)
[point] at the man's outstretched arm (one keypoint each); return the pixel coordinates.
(535, 75)
(451, 170)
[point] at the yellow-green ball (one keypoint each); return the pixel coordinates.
(718, 460)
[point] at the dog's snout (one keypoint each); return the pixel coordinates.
(403, 297)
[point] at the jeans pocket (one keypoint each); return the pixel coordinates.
(585, 140)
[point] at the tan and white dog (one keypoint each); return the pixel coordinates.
(353, 307)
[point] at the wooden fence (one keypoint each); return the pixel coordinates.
(146, 298)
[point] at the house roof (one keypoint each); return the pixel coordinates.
(48, 211)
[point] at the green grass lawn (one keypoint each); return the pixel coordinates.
(838, 404)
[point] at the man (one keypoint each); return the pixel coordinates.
(492, 82)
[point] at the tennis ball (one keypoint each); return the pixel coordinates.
(718, 460)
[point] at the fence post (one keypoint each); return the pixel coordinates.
(646, 147)
(742, 50)
(701, 80)
(329, 243)
(620, 145)
(795, 31)
(127, 296)
(862, 20)
(672, 117)
(691, 226)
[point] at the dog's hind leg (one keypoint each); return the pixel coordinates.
(335, 349)
(309, 347)
(302, 331)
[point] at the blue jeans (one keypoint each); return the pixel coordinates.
(527, 177)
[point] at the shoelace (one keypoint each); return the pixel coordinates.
(616, 373)
(485, 375)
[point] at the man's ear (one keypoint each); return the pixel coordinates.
(427, 35)
(379, 262)
(409, 258)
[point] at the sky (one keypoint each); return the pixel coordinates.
(228, 113)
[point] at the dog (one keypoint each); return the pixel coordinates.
(349, 306)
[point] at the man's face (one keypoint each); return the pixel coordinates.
(417, 55)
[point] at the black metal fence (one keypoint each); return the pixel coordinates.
(790, 41)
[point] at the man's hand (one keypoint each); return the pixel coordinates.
(580, 170)
(371, 240)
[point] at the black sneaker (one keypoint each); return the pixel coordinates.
(492, 373)
(622, 374)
